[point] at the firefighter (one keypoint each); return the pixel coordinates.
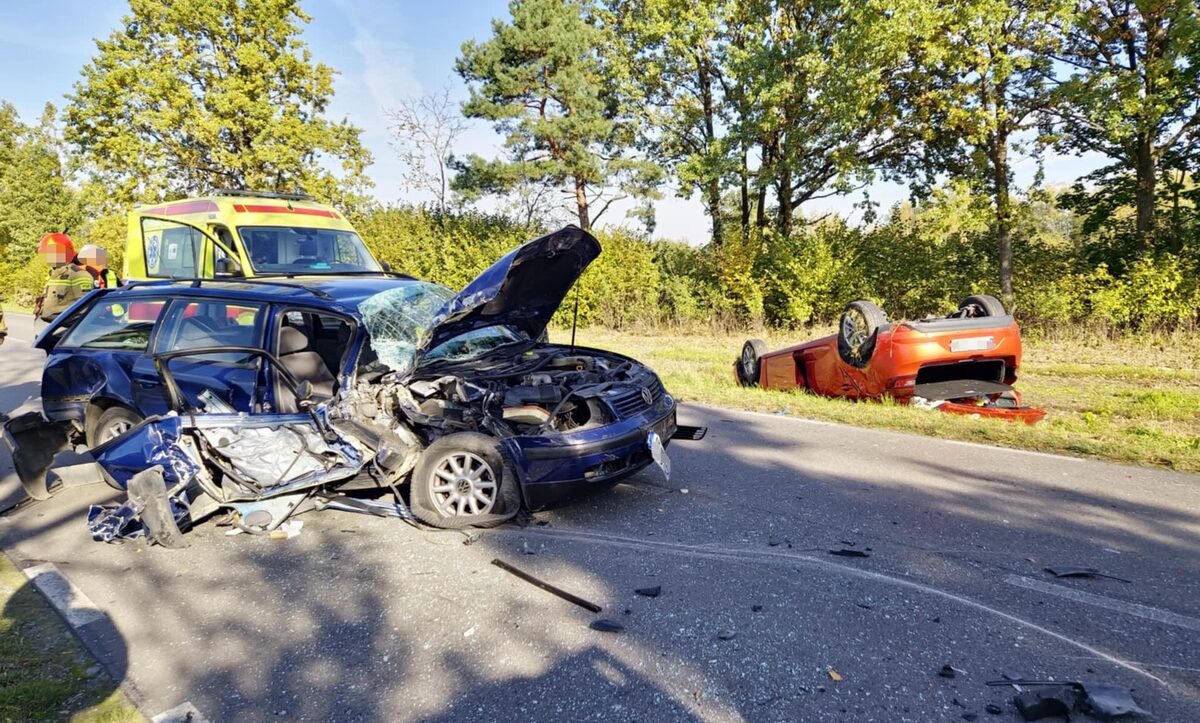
(68, 281)
(95, 260)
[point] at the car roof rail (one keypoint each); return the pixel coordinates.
(197, 283)
(245, 192)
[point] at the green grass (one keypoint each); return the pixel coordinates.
(43, 667)
(1134, 399)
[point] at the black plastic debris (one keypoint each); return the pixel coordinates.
(688, 433)
(605, 625)
(1049, 701)
(756, 608)
(1105, 700)
(585, 604)
(1081, 572)
(649, 591)
(846, 552)
(993, 709)
(947, 672)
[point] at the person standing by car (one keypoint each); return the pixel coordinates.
(68, 281)
(95, 261)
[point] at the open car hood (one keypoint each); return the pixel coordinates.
(522, 290)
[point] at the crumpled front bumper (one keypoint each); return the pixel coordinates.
(554, 468)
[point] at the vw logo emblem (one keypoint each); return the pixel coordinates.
(647, 397)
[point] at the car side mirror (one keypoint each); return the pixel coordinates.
(385, 266)
(228, 267)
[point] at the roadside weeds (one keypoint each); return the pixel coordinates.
(45, 672)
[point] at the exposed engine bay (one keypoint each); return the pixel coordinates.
(544, 390)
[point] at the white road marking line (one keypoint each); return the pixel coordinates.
(823, 423)
(1165, 617)
(70, 602)
(182, 713)
(771, 556)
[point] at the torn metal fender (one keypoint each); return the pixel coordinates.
(153, 442)
(33, 442)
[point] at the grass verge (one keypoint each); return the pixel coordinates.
(44, 668)
(1134, 400)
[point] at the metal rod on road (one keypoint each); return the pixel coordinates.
(548, 587)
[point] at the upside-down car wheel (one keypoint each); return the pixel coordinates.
(750, 363)
(981, 305)
(857, 330)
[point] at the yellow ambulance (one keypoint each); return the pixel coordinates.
(243, 234)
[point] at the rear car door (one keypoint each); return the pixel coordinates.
(233, 378)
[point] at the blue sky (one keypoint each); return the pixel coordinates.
(383, 51)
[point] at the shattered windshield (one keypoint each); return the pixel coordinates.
(396, 320)
(476, 342)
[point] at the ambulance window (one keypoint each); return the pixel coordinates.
(171, 249)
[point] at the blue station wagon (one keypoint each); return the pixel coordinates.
(276, 395)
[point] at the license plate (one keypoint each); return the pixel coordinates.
(976, 343)
(659, 453)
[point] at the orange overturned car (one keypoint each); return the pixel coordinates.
(965, 362)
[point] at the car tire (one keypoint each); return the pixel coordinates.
(981, 305)
(749, 365)
(112, 423)
(461, 480)
(858, 329)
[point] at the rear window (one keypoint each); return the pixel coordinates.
(116, 324)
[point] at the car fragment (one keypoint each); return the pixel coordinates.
(552, 589)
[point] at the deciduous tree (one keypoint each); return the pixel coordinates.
(188, 95)
(1133, 91)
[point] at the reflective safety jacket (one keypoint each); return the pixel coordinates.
(66, 285)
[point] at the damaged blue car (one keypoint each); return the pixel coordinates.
(376, 393)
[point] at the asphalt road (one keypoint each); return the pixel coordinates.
(367, 619)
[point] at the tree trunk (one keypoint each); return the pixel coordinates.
(784, 191)
(745, 173)
(581, 203)
(713, 183)
(1000, 187)
(1145, 190)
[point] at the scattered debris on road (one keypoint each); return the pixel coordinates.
(834, 675)
(949, 671)
(726, 635)
(1081, 572)
(1061, 698)
(605, 625)
(585, 604)
(847, 552)
(649, 591)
